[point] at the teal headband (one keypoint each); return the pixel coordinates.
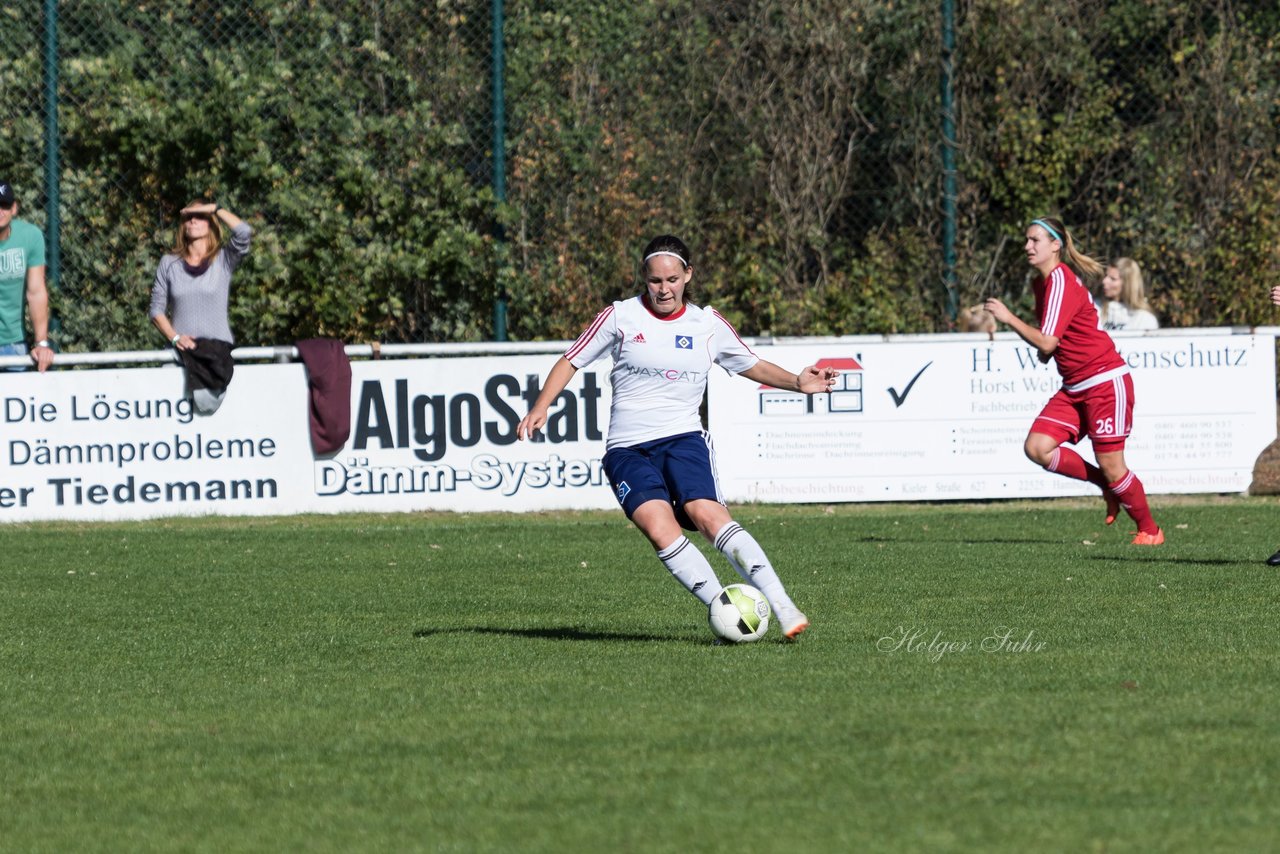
(1047, 228)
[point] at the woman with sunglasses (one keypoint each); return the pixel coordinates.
(191, 293)
(193, 283)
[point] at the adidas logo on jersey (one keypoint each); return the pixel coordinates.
(639, 339)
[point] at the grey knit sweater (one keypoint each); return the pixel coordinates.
(197, 305)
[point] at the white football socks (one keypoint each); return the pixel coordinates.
(749, 561)
(691, 569)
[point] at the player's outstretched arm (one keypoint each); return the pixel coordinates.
(561, 373)
(811, 380)
(1046, 344)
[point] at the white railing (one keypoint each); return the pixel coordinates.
(289, 353)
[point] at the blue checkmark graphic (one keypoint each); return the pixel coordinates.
(899, 399)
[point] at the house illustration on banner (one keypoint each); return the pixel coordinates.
(845, 396)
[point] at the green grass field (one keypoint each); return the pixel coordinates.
(538, 683)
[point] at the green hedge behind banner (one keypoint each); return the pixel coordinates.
(794, 145)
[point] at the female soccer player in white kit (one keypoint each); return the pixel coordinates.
(658, 458)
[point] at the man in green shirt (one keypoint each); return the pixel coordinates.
(22, 275)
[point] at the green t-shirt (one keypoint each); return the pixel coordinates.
(23, 250)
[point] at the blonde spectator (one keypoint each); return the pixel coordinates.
(191, 294)
(1124, 304)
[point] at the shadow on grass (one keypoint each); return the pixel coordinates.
(1201, 561)
(561, 633)
(1147, 555)
(915, 540)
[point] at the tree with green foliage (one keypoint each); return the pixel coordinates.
(794, 145)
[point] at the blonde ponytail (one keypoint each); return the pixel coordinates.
(1085, 267)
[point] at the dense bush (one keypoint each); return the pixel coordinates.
(794, 143)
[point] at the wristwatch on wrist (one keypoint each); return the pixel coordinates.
(175, 339)
(43, 342)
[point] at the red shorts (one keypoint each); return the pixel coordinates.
(1103, 412)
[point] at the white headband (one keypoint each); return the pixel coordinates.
(664, 252)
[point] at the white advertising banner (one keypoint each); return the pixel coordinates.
(944, 417)
(426, 434)
(930, 417)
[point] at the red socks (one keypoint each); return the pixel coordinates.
(1068, 463)
(1133, 498)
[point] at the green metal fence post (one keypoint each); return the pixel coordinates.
(52, 191)
(499, 158)
(949, 158)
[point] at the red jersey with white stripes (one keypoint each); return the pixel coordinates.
(660, 366)
(1065, 310)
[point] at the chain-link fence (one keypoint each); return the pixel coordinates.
(796, 145)
(317, 122)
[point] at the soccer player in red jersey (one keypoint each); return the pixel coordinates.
(1096, 398)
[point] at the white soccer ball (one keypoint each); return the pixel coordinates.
(739, 614)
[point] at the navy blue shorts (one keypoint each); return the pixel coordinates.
(676, 469)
